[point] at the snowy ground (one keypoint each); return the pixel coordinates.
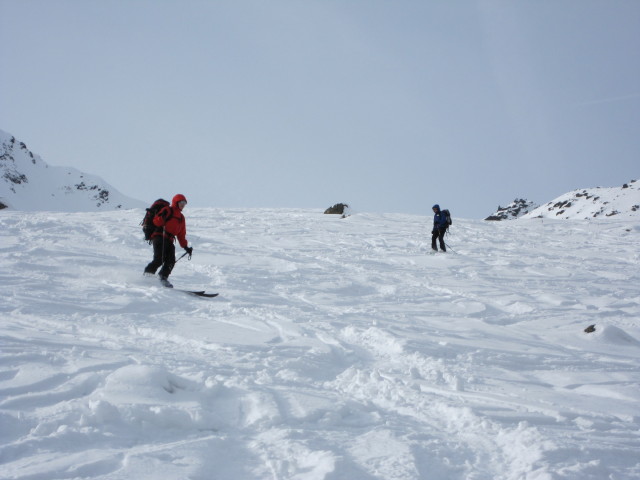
(338, 349)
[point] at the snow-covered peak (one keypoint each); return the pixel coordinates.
(600, 202)
(28, 183)
(515, 209)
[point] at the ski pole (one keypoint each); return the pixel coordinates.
(449, 248)
(181, 256)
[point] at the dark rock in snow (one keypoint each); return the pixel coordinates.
(337, 209)
(515, 209)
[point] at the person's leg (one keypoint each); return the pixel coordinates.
(157, 256)
(168, 259)
(441, 238)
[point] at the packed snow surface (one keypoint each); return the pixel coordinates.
(337, 349)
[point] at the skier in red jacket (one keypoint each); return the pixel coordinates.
(171, 225)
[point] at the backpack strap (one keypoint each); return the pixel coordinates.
(163, 214)
(166, 217)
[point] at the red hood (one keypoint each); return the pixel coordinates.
(178, 198)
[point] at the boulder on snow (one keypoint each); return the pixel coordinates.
(337, 209)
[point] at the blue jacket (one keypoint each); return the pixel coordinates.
(439, 219)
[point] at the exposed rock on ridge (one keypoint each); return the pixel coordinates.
(515, 209)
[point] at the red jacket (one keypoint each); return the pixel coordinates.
(173, 221)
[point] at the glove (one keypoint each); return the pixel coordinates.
(189, 250)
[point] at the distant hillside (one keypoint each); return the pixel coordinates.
(599, 202)
(28, 183)
(515, 209)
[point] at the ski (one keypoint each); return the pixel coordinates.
(199, 293)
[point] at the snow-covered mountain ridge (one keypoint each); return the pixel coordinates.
(582, 204)
(29, 183)
(600, 202)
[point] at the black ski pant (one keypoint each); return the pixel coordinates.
(438, 234)
(164, 254)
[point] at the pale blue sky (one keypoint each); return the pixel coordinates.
(390, 106)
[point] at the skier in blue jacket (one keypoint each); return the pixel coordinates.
(440, 225)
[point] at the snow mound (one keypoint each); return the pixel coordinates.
(616, 336)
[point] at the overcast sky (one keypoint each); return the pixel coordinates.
(390, 106)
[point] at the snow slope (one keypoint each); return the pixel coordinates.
(28, 183)
(338, 349)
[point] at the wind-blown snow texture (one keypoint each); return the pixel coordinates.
(338, 349)
(28, 183)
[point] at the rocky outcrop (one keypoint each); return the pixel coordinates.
(515, 209)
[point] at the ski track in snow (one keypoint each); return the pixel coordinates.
(338, 349)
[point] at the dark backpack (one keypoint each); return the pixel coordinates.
(447, 215)
(148, 228)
